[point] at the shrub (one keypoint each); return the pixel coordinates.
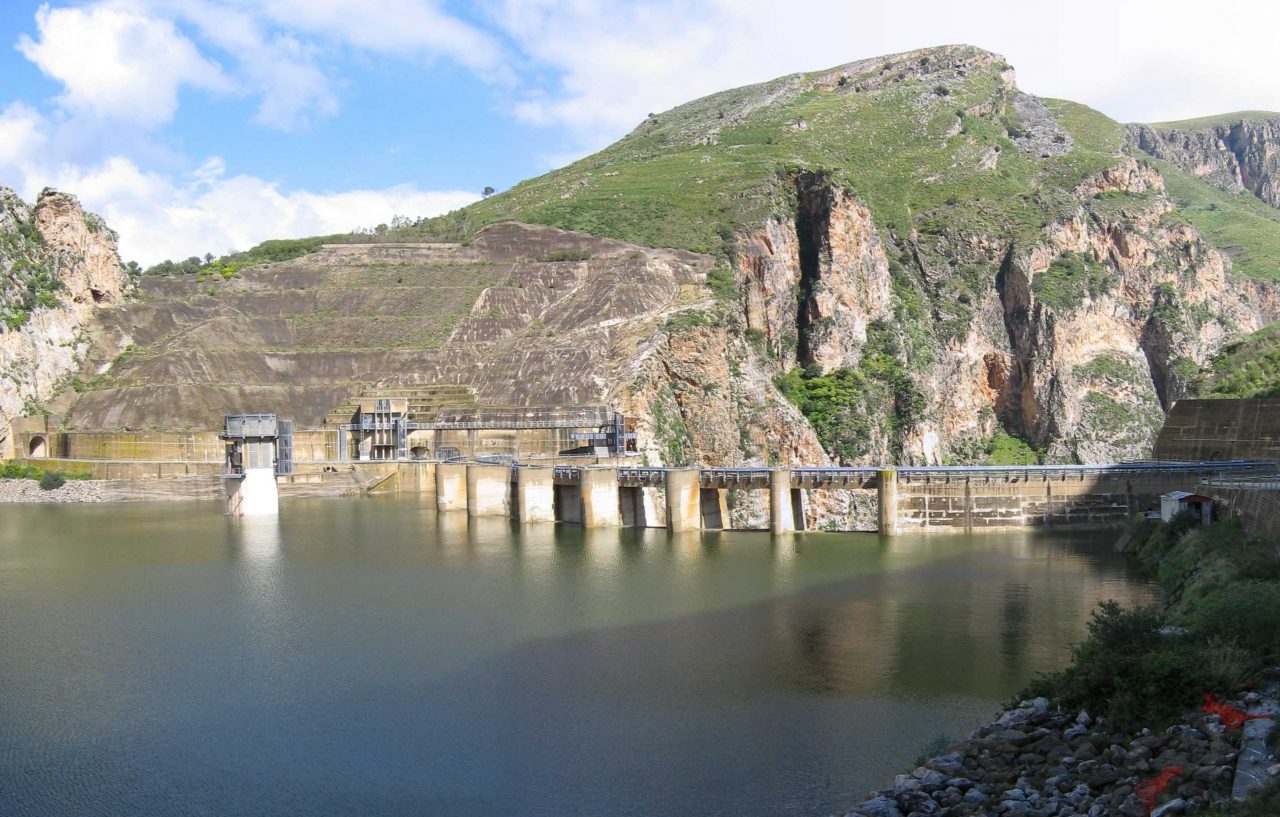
(14, 470)
(566, 255)
(52, 480)
(1005, 449)
(1247, 615)
(1130, 672)
(1070, 278)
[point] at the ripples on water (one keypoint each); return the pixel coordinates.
(373, 658)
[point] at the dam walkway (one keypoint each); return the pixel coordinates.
(919, 498)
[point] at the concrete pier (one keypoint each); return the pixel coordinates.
(684, 505)
(451, 486)
(781, 512)
(488, 490)
(535, 494)
(887, 494)
(600, 504)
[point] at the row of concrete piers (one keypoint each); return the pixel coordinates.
(596, 496)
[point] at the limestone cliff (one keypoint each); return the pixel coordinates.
(1236, 153)
(58, 266)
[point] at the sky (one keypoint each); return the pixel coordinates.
(199, 126)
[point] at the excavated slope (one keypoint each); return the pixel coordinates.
(300, 337)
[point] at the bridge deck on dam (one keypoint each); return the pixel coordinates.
(867, 477)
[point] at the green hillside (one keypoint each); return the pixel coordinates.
(1248, 368)
(1241, 225)
(1217, 120)
(911, 145)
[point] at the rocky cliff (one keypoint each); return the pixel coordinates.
(927, 258)
(1237, 153)
(58, 267)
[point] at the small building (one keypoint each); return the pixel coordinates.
(1175, 502)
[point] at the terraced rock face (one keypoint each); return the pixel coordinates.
(502, 315)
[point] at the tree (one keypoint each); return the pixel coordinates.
(487, 192)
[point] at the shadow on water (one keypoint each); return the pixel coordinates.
(380, 659)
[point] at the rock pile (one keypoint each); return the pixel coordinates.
(1038, 762)
(29, 490)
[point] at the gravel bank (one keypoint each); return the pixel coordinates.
(1038, 762)
(29, 490)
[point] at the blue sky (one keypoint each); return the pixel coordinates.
(208, 125)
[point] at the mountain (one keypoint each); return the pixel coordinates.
(902, 259)
(58, 269)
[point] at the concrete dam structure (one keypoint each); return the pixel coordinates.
(578, 465)
(925, 500)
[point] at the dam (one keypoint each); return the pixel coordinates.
(579, 466)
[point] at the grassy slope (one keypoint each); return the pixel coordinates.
(1242, 225)
(1249, 230)
(1248, 368)
(657, 187)
(1216, 120)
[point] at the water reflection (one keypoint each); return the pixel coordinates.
(1014, 614)
(314, 662)
(255, 538)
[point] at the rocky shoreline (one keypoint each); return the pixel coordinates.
(1038, 761)
(74, 490)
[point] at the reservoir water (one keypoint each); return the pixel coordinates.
(374, 658)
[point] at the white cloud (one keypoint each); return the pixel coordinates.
(411, 28)
(118, 64)
(160, 217)
(1137, 60)
(21, 134)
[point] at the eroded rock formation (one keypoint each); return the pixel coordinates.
(58, 266)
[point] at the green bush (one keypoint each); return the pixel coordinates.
(52, 480)
(1247, 615)
(1005, 449)
(1070, 278)
(1129, 672)
(14, 470)
(566, 255)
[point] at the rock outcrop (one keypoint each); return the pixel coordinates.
(1236, 154)
(58, 267)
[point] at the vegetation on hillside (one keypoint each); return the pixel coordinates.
(1217, 120)
(1242, 225)
(27, 278)
(845, 405)
(1218, 625)
(913, 151)
(1070, 279)
(1247, 368)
